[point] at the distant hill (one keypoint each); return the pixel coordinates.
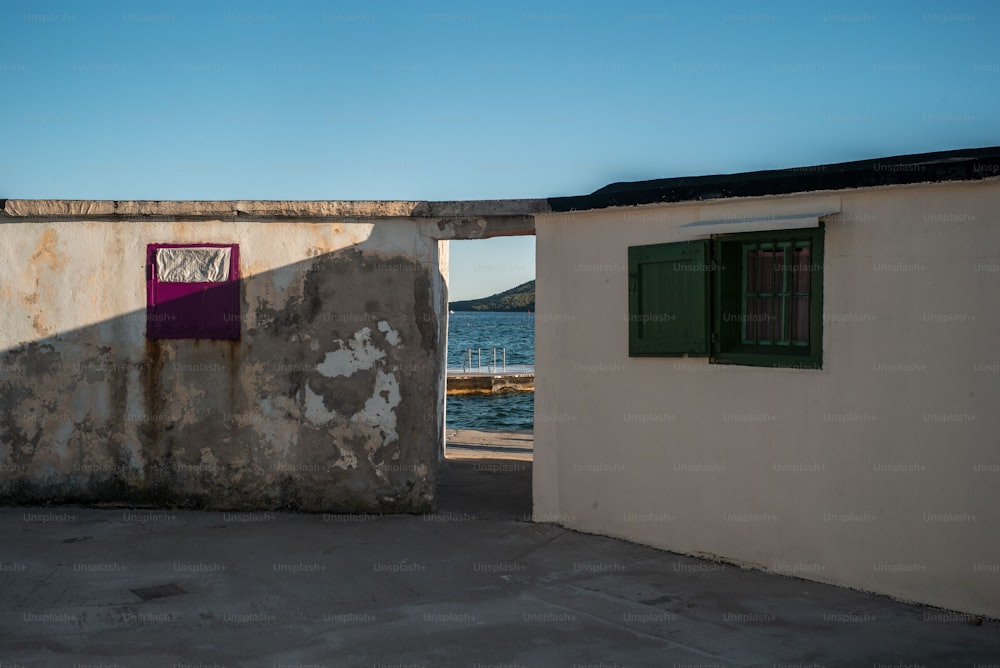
(521, 298)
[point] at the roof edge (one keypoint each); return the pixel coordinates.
(263, 210)
(971, 164)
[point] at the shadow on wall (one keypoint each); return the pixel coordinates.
(326, 403)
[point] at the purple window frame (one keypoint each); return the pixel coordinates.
(193, 310)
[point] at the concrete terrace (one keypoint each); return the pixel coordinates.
(474, 585)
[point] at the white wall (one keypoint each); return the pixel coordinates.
(880, 471)
(327, 401)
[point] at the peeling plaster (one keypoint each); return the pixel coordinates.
(380, 409)
(315, 410)
(348, 460)
(359, 353)
(391, 335)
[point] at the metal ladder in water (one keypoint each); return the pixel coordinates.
(492, 365)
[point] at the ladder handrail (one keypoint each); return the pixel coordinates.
(491, 367)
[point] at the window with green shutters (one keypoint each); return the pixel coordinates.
(752, 298)
(768, 302)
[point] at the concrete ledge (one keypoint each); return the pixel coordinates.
(263, 210)
(476, 219)
(494, 383)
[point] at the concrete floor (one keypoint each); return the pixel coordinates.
(473, 585)
(476, 444)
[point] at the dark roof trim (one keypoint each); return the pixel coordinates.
(960, 165)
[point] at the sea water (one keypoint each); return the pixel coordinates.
(486, 330)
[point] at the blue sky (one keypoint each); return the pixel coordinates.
(226, 99)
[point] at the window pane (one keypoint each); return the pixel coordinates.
(781, 326)
(749, 320)
(774, 320)
(775, 301)
(800, 320)
(765, 272)
(765, 319)
(192, 265)
(766, 310)
(778, 328)
(778, 271)
(802, 259)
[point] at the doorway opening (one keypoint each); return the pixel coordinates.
(490, 360)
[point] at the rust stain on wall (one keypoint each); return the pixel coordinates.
(47, 252)
(150, 369)
(46, 262)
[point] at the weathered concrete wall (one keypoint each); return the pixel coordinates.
(879, 471)
(330, 401)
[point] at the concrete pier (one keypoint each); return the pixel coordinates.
(471, 382)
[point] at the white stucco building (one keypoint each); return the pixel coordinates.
(791, 370)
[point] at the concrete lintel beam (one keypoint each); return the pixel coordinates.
(480, 227)
(39, 210)
(482, 207)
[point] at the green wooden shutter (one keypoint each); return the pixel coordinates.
(668, 299)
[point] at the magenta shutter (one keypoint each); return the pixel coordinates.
(193, 291)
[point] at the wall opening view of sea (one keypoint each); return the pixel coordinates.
(488, 329)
